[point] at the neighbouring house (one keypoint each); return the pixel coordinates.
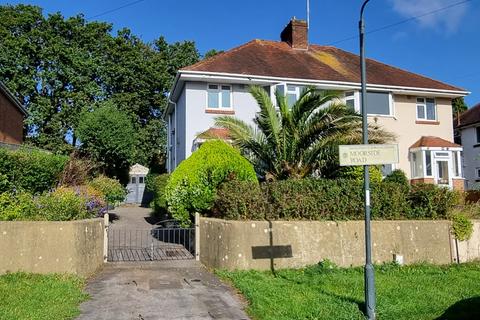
(12, 114)
(467, 133)
(416, 108)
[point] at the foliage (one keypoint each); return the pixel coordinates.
(458, 106)
(462, 227)
(29, 170)
(300, 140)
(62, 204)
(156, 184)
(192, 186)
(59, 67)
(108, 138)
(356, 173)
(39, 297)
(211, 53)
(112, 189)
(429, 201)
(317, 292)
(77, 171)
(397, 176)
(323, 199)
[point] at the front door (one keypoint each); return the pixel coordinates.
(442, 174)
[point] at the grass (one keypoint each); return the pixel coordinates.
(327, 292)
(32, 296)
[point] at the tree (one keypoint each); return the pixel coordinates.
(61, 67)
(211, 53)
(458, 107)
(299, 141)
(108, 137)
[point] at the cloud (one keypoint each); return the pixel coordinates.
(447, 20)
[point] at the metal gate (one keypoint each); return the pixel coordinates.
(158, 243)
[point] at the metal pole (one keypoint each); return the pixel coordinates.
(369, 272)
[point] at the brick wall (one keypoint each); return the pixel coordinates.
(11, 122)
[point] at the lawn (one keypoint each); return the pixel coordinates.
(327, 292)
(33, 297)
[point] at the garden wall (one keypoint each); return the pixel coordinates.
(290, 244)
(52, 246)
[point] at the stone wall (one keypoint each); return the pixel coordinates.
(52, 246)
(292, 244)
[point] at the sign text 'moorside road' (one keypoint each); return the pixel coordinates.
(368, 154)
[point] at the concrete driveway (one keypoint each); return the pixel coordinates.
(159, 290)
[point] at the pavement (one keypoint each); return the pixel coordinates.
(174, 289)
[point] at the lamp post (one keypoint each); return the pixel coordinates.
(369, 273)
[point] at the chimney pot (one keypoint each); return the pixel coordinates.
(296, 34)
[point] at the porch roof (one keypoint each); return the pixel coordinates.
(431, 141)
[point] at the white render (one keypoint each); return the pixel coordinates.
(471, 155)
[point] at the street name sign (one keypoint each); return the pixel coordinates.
(368, 154)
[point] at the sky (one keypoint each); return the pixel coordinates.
(444, 45)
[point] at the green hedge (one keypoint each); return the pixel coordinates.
(155, 184)
(192, 186)
(321, 199)
(32, 171)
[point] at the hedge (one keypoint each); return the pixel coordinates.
(321, 199)
(32, 171)
(192, 186)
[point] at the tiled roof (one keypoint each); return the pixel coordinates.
(215, 133)
(430, 141)
(278, 59)
(469, 117)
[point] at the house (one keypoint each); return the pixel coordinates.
(467, 133)
(11, 118)
(417, 109)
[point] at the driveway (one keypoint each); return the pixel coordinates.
(175, 289)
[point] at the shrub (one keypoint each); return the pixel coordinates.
(32, 171)
(112, 189)
(192, 186)
(156, 183)
(77, 171)
(429, 201)
(17, 207)
(321, 199)
(397, 176)
(462, 227)
(356, 173)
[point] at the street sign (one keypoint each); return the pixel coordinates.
(368, 154)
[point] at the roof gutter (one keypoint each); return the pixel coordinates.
(203, 75)
(12, 99)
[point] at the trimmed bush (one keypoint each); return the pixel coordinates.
(112, 189)
(397, 176)
(321, 199)
(32, 171)
(17, 207)
(156, 184)
(192, 186)
(356, 173)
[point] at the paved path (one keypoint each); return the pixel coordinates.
(132, 217)
(181, 289)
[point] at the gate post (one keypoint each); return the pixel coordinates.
(197, 236)
(106, 222)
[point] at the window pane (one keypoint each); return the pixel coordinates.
(431, 109)
(455, 164)
(378, 103)
(350, 104)
(281, 89)
(226, 103)
(420, 100)
(291, 99)
(291, 89)
(134, 180)
(213, 99)
(212, 86)
(428, 162)
(478, 134)
(420, 112)
(349, 94)
(140, 179)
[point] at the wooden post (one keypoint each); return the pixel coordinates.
(106, 221)
(197, 236)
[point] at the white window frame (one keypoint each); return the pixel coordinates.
(356, 98)
(477, 172)
(285, 85)
(424, 105)
(219, 92)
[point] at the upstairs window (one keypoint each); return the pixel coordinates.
(291, 92)
(426, 109)
(379, 103)
(219, 96)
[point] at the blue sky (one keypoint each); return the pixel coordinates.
(444, 46)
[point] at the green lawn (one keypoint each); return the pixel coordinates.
(325, 292)
(33, 296)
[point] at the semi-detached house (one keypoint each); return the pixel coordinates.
(416, 108)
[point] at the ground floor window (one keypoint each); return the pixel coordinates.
(438, 164)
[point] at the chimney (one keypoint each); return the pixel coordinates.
(296, 34)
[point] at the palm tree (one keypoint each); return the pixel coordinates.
(301, 140)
